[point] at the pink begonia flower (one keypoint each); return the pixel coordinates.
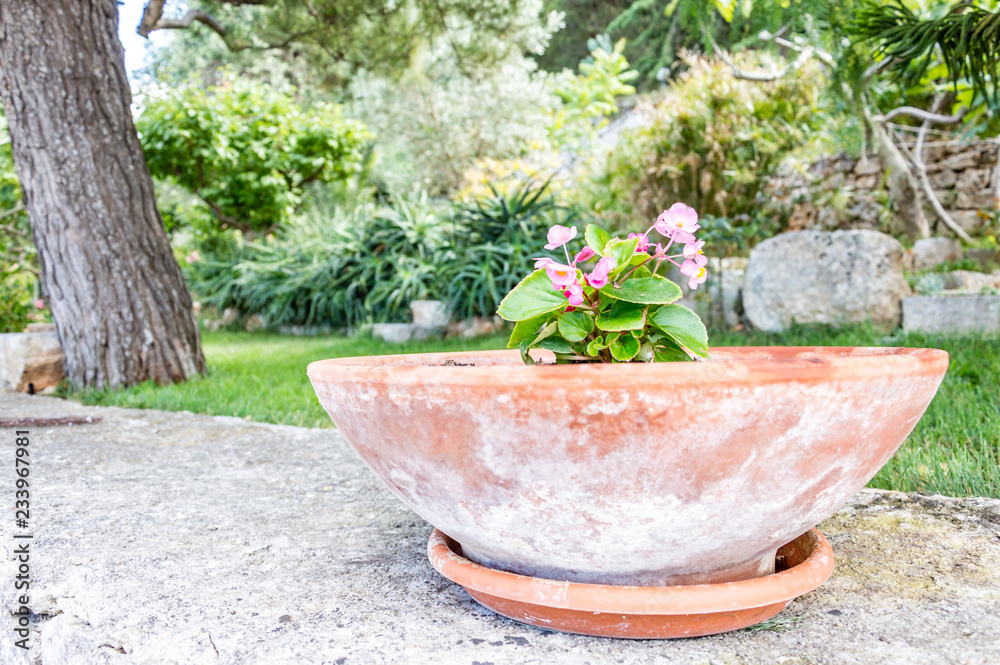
(542, 262)
(680, 217)
(682, 237)
(574, 294)
(697, 273)
(39, 304)
(560, 235)
(598, 277)
(561, 276)
(661, 224)
(193, 257)
(643, 243)
(684, 217)
(585, 253)
(692, 252)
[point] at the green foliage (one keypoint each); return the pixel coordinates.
(715, 140)
(331, 266)
(630, 317)
(247, 150)
(16, 303)
(434, 125)
(18, 259)
(337, 37)
(582, 19)
(444, 114)
(590, 97)
(497, 237)
(345, 266)
(736, 236)
(660, 30)
(967, 37)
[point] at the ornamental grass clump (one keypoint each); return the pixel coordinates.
(620, 310)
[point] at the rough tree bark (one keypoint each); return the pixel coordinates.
(122, 310)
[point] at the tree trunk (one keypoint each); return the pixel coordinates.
(902, 186)
(119, 301)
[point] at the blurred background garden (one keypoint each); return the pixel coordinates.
(321, 165)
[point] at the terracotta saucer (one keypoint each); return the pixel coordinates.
(639, 612)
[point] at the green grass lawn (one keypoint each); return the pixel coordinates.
(954, 450)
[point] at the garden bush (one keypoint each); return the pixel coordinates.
(348, 265)
(248, 150)
(497, 237)
(333, 265)
(18, 258)
(714, 140)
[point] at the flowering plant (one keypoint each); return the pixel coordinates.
(619, 311)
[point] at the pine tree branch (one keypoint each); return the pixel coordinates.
(152, 20)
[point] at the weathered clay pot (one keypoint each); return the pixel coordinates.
(651, 475)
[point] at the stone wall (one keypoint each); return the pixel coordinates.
(843, 193)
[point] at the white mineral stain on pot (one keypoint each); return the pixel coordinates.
(604, 403)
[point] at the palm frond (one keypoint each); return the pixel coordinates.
(968, 38)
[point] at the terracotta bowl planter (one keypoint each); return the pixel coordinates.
(651, 475)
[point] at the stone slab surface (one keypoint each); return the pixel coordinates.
(176, 538)
(952, 315)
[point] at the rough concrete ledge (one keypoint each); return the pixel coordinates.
(175, 538)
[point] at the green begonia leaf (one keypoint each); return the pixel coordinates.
(654, 290)
(668, 349)
(621, 251)
(622, 315)
(595, 347)
(624, 348)
(525, 329)
(597, 238)
(575, 326)
(532, 297)
(556, 345)
(684, 326)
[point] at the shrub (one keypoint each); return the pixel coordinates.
(333, 265)
(16, 301)
(591, 97)
(345, 266)
(18, 258)
(247, 150)
(715, 140)
(432, 126)
(497, 238)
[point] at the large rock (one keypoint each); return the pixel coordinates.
(719, 301)
(30, 361)
(172, 538)
(929, 253)
(952, 314)
(819, 277)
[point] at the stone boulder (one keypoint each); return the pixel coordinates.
(929, 253)
(430, 313)
(819, 277)
(30, 361)
(719, 301)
